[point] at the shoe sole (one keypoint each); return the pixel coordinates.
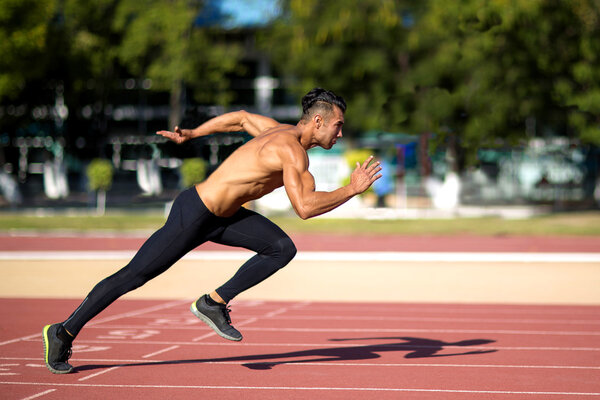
(211, 324)
(46, 347)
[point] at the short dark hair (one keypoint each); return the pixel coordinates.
(321, 98)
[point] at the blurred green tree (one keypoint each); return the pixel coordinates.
(70, 61)
(355, 48)
(503, 72)
(475, 73)
(162, 42)
(100, 177)
(82, 51)
(193, 171)
(24, 26)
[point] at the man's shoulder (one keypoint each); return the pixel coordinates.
(282, 128)
(283, 134)
(285, 142)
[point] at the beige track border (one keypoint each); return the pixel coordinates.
(375, 279)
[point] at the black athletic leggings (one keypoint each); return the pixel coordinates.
(190, 224)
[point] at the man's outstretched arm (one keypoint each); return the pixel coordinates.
(237, 121)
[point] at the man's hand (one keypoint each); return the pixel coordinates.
(178, 136)
(364, 175)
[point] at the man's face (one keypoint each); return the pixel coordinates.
(331, 128)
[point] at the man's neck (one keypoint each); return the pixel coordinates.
(305, 135)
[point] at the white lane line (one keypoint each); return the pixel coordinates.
(415, 319)
(125, 362)
(381, 330)
(481, 308)
(486, 331)
(85, 378)
(325, 345)
(324, 256)
(103, 320)
(346, 389)
(199, 338)
(392, 315)
(450, 257)
(160, 351)
(245, 322)
(28, 337)
(448, 319)
(213, 333)
(35, 396)
(138, 312)
(276, 312)
(112, 318)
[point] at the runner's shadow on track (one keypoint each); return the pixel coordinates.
(416, 348)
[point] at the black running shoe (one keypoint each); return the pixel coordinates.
(217, 317)
(56, 351)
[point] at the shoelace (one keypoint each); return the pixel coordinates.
(226, 310)
(66, 354)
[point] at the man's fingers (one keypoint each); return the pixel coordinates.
(374, 166)
(166, 134)
(375, 170)
(171, 135)
(367, 162)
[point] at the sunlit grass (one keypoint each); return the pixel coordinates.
(581, 223)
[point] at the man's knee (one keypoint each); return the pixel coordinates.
(285, 250)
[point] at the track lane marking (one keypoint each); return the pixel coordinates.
(161, 351)
(106, 319)
(304, 388)
(35, 396)
(325, 345)
(23, 338)
(245, 322)
(85, 378)
(366, 330)
(126, 362)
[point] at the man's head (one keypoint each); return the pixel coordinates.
(324, 111)
(320, 101)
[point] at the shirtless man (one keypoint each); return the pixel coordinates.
(212, 211)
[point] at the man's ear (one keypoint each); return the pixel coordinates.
(318, 120)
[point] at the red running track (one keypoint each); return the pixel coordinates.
(326, 242)
(140, 349)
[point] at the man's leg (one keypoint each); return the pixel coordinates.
(273, 246)
(184, 230)
(274, 249)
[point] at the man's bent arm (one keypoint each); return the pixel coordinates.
(237, 121)
(300, 187)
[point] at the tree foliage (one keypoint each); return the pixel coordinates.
(193, 171)
(100, 174)
(23, 34)
(355, 48)
(481, 73)
(161, 42)
(506, 70)
(88, 48)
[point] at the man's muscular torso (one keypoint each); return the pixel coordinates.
(251, 171)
